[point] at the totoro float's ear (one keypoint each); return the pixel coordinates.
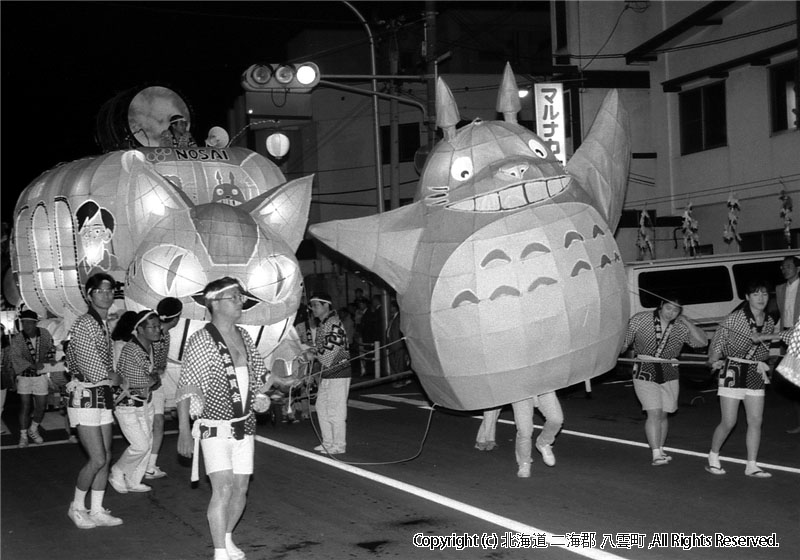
(283, 209)
(602, 162)
(447, 116)
(508, 101)
(150, 196)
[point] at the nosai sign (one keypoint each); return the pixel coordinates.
(550, 118)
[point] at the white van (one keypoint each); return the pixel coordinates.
(710, 287)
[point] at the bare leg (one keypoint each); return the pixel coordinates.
(487, 429)
(754, 408)
(664, 427)
(654, 429)
(158, 433)
(238, 500)
(729, 409)
(228, 497)
(39, 407)
(25, 412)
(96, 440)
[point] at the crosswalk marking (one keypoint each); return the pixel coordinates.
(404, 400)
(367, 405)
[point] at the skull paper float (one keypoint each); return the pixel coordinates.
(164, 222)
(509, 280)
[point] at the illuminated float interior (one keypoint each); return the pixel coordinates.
(163, 221)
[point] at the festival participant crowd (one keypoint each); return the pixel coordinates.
(738, 357)
(119, 369)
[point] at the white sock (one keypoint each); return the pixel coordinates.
(713, 459)
(656, 453)
(79, 499)
(153, 458)
(229, 543)
(34, 426)
(221, 554)
(97, 501)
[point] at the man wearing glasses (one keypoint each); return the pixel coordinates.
(222, 383)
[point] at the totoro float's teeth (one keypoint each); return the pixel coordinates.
(514, 196)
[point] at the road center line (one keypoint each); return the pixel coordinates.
(676, 450)
(461, 507)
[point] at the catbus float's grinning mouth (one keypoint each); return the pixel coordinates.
(514, 196)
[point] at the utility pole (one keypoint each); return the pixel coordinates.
(797, 72)
(394, 122)
(429, 54)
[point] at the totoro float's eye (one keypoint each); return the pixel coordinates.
(461, 169)
(219, 192)
(537, 148)
(235, 192)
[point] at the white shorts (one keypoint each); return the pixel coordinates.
(657, 395)
(228, 454)
(739, 394)
(158, 400)
(89, 416)
(33, 385)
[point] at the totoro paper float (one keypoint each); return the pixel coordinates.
(508, 277)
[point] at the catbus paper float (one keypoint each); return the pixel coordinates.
(508, 277)
(164, 222)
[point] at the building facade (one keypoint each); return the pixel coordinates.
(717, 126)
(710, 88)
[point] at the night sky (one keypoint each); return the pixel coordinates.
(61, 61)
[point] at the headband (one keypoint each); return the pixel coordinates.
(212, 294)
(149, 314)
(165, 318)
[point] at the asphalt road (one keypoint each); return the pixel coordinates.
(411, 476)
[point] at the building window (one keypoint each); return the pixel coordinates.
(408, 139)
(769, 240)
(561, 25)
(693, 286)
(702, 116)
(782, 83)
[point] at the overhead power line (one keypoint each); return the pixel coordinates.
(688, 46)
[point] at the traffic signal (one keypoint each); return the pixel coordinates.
(296, 78)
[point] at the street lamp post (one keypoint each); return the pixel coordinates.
(375, 114)
(378, 168)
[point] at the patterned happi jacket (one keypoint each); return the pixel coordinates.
(203, 367)
(19, 353)
(89, 354)
(331, 345)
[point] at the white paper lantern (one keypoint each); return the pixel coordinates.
(278, 145)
